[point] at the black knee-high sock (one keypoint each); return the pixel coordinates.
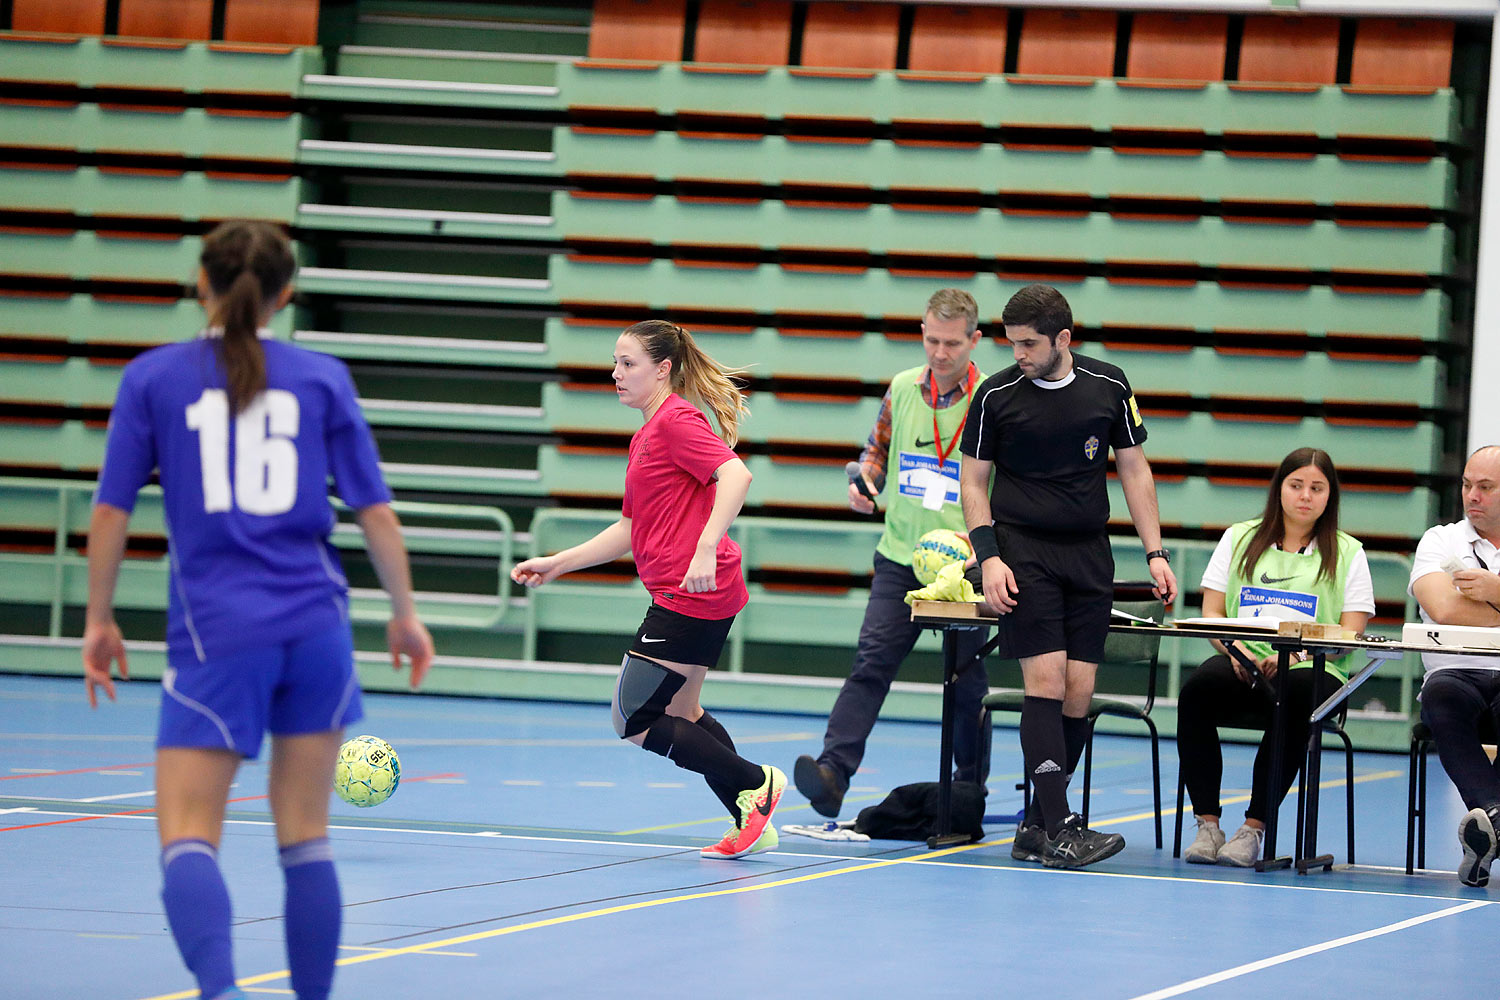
(1076, 736)
(1045, 752)
(725, 794)
(692, 748)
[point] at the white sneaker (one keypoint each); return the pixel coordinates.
(1243, 849)
(1476, 833)
(1204, 850)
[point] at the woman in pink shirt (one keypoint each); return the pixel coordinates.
(683, 486)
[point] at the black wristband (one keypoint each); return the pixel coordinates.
(1162, 553)
(984, 543)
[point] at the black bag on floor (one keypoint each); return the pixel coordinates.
(909, 812)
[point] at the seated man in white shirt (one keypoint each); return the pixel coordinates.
(1453, 579)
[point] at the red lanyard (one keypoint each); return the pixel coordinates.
(937, 438)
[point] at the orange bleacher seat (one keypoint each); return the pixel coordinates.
(649, 30)
(1406, 53)
(189, 19)
(67, 17)
(851, 35)
(1078, 43)
(958, 39)
(1178, 47)
(1289, 49)
(746, 32)
(274, 22)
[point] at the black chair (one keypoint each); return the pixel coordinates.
(1416, 788)
(1334, 724)
(1119, 650)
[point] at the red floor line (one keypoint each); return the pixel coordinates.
(143, 812)
(76, 770)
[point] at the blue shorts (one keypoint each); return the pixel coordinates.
(307, 685)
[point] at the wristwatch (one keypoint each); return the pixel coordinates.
(1159, 554)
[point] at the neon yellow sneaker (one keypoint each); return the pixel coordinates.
(769, 841)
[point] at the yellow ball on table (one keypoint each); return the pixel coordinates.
(937, 549)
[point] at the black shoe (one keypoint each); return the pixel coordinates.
(1030, 843)
(1076, 845)
(820, 784)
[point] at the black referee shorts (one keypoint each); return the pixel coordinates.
(1066, 591)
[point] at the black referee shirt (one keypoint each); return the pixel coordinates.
(1050, 443)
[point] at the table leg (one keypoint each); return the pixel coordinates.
(943, 835)
(1269, 859)
(1314, 773)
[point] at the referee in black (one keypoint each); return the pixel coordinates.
(1044, 428)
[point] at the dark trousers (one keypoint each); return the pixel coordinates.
(885, 639)
(1454, 704)
(1212, 697)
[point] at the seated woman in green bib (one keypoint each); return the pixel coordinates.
(1290, 562)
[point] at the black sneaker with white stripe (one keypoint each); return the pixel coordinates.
(1076, 845)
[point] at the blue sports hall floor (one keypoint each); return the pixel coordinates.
(530, 853)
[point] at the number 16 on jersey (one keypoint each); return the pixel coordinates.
(265, 451)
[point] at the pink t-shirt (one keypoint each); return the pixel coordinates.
(669, 493)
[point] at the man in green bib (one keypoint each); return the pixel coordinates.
(911, 462)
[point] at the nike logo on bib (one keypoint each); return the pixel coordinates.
(924, 444)
(1267, 578)
(645, 638)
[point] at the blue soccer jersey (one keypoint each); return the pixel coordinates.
(245, 496)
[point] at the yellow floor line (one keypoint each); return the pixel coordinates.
(267, 977)
(722, 818)
(1359, 779)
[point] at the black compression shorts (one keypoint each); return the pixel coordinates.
(678, 638)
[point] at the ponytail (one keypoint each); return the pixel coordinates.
(244, 360)
(696, 377)
(246, 265)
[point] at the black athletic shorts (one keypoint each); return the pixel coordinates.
(678, 638)
(1066, 592)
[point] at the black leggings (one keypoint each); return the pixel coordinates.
(1214, 696)
(1455, 701)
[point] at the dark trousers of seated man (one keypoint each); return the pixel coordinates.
(1454, 703)
(885, 639)
(1214, 696)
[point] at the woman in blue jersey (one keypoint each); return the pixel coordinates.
(244, 433)
(1293, 556)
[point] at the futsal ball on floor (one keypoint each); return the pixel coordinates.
(937, 549)
(367, 772)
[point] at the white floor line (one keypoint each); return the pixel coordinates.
(111, 798)
(1290, 956)
(1256, 883)
(1002, 868)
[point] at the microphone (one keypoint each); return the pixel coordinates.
(857, 476)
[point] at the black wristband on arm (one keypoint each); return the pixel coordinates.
(984, 542)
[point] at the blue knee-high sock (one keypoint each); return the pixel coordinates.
(313, 915)
(197, 903)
